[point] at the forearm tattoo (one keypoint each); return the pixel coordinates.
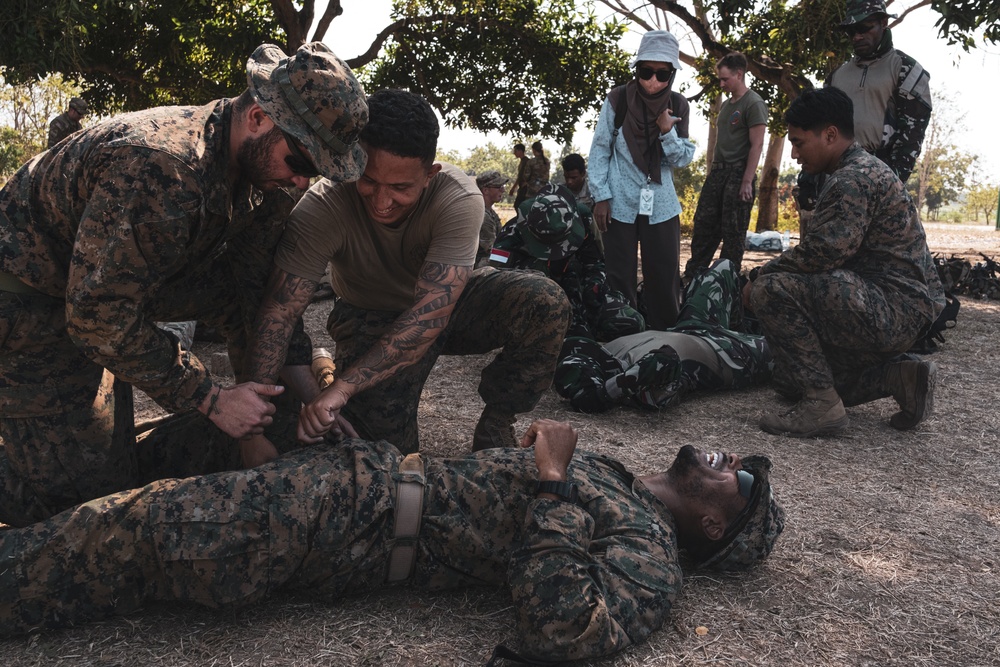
(285, 300)
(438, 288)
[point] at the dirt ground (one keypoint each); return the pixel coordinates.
(889, 557)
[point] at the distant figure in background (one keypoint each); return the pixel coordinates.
(68, 121)
(575, 176)
(520, 185)
(538, 170)
(631, 178)
(491, 184)
(726, 200)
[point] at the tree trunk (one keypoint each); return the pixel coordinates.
(713, 132)
(767, 193)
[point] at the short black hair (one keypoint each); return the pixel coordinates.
(574, 162)
(519, 147)
(815, 109)
(537, 146)
(403, 124)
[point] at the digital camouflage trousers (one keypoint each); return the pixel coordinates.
(721, 216)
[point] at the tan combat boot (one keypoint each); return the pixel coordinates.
(911, 383)
(820, 412)
(495, 429)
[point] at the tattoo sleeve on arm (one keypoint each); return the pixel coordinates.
(285, 299)
(437, 291)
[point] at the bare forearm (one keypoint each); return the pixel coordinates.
(286, 299)
(413, 332)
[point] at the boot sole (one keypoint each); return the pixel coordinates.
(833, 428)
(926, 379)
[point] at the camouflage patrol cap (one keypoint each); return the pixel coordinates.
(491, 179)
(753, 536)
(859, 10)
(553, 228)
(313, 96)
(79, 105)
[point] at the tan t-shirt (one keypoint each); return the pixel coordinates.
(376, 266)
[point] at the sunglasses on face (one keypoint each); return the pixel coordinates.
(662, 75)
(745, 481)
(859, 28)
(298, 161)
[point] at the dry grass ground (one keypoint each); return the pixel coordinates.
(890, 555)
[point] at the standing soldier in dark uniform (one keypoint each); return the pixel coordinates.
(167, 214)
(840, 309)
(539, 169)
(520, 185)
(589, 551)
(68, 121)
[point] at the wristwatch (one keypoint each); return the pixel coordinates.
(566, 491)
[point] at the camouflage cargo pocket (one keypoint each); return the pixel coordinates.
(220, 551)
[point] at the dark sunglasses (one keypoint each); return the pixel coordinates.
(298, 161)
(662, 75)
(746, 481)
(858, 28)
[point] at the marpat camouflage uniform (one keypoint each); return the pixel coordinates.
(61, 127)
(587, 579)
(599, 312)
(525, 314)
(130, 222)
(595, 380)
(858, 290)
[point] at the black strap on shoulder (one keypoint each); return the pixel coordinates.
(620, 103)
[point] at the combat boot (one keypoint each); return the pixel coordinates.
(820, 412)
(495, 429)
(911, 383)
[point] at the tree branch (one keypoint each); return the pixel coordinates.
(922, 3)
(333, 9)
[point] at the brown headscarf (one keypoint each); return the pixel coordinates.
(642, 134)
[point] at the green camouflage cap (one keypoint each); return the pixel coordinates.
(551, 225)
(859, 10)
(491, 179)
(753, 536)
(313, 96)
(79, 105)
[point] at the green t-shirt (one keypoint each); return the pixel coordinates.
(735, 119)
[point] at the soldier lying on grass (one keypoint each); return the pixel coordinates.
(589, 551)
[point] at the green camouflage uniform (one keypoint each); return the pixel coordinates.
(131, 222)
(538, 174)
(594, 379)
(587, 579)
(858, 290)
(524, 314)
(573, 260)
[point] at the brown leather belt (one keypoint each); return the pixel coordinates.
(409, 510)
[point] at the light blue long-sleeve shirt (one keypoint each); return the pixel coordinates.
(613, 175)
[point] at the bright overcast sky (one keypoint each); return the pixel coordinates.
(968, 79)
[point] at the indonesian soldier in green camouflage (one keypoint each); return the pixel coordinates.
(552, 234)
(168, 214)
(841, 309)
(491, 183)
(68, 121)
(589, 551)
(402, 243)
(656, 369)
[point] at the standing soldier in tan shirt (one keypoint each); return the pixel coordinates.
(726, 200)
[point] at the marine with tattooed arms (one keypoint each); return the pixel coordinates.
(402, 243)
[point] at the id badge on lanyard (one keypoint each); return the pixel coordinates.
(646, 199)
